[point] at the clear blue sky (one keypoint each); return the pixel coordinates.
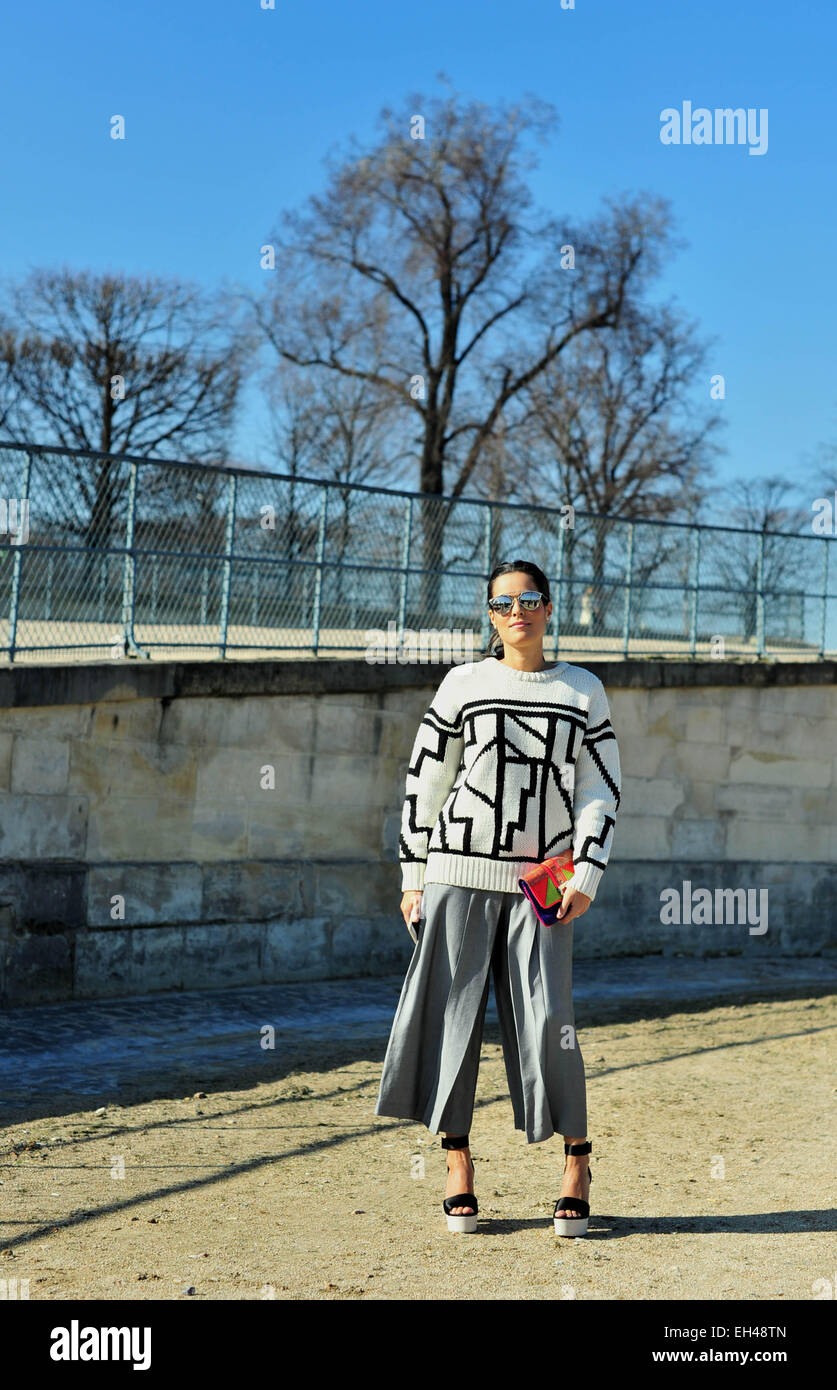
(230, 108)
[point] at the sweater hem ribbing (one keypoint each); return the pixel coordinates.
(496, 876)
(499, 876)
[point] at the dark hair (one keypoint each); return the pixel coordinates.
(495, 644)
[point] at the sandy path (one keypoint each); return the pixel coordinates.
(713, 1135)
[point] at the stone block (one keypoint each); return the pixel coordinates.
(812, 701)
(194, 723)
(129, 769)
(270, 838)
(699, 801)
(704, 839)
(38, 967)
(343, 889)
(222, 956)
(644, 757)
(629, 713)
(778, 769)
(705, 725)
(698, 762)
(667, 714)
(353, 781)
(642, 837)
(282, 725)
(39, 765)
(236, 891)
(231, 774)
(308, 832)
(390, 828)
(766, 839)
(218, 830)
(61, 722)
(296, 950)
(5, 761)
(128, 960)
(154, 894)
(370, 946)
(660, 795)
(119, 826)
(115, 721)
(739, 798)
(36, 894)
(42, 827)
(341, 728)
(395, 736)
(805, 737)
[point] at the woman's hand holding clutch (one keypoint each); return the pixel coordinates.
(573, 903)
(411, 910)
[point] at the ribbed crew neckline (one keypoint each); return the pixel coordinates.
(540, 676)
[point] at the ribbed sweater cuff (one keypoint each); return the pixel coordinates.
(586, 878)
(412, 876)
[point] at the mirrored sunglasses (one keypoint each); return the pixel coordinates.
(502, 604)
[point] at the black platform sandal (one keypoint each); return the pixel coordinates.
(573, 1225)
(466, 1224)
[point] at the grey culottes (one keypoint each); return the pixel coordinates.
(432, 1057)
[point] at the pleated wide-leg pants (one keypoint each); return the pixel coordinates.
(432, 1057)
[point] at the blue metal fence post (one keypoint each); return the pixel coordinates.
(559, 588)
(404, 580)
(14, 605)
(693, 617)
(129, 572)
(103, 580)
(824, 594)
(318, 577)
(229, 534)
(760, 597)
(629, 574)
(487, 542)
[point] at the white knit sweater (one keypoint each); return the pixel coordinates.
(509, 767)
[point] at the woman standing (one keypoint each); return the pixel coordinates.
(514, 762)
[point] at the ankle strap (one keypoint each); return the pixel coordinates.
(455, 1141)
(585, 1148)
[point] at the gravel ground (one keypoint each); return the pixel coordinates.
(713, 1153)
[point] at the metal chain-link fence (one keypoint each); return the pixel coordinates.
(107, 556)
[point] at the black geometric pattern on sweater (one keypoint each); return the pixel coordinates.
(605, 731)
(445, 730)
(543, 725)
(599, 840)
(405, 854)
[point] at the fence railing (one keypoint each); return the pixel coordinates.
(105, 555)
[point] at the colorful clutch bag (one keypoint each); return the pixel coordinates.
(544, 885)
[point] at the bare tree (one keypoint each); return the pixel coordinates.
(423, 271)
(119, 365)
(9, 391)
(612, 428)
(332, 427)
(623, 434)
(768, 557)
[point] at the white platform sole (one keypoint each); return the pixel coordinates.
(466, 1225)
(572, 1226)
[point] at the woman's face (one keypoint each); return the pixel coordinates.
(520, 629)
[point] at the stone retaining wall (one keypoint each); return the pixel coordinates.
(144, 847)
